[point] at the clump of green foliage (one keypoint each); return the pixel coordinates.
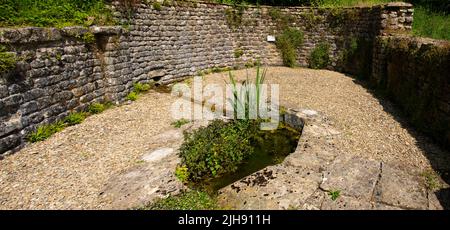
(334, 195)
(132, 96)
(7, 60)
(241, 97)
(319, 57)
(179, 123)
(157, 6)
(281, 18)
(217, 149)
(45, 131)
(182, 173)
(431, 180)
(75, 118)
(88, 37)
(191, 200)
(234, 16)
(288, 43)
(96, 107)
(140, 88)
(54, 13)
(238, 53)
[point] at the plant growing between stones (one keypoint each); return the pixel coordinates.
(234, 16)
(8, 60)
(75, 118)
(334, 195)
(288, 43)
(431, 180)
(132, 96)
(88, 37)
(157, 6)
(282, 19)
(190, 200)
(319, 57)
(45, 131)
(179, 123)
(238, 53)
(140, 88)
(96, 107)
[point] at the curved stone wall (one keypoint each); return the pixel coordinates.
(64, 70)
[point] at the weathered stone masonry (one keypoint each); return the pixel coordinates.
(59, 72)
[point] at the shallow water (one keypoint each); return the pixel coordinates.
(271, 148)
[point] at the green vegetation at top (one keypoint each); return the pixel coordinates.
(54, 13)
(431, 24)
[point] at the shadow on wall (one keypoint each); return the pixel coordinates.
(438, 156)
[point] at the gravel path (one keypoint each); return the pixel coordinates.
(69, 170)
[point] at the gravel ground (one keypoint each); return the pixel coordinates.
(371, 126)
(69, 170)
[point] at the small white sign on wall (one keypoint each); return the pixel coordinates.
(271, 38)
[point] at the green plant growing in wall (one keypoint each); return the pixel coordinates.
(282, 19)
(96, 108)
(319, 57)
(75, 118)
(45, 131)
(157, 6)
(238, 53)
(8, 60)
(288, 43)
(132, 96)
(234, 16)
(140, 88)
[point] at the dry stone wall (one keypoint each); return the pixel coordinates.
(64, 70)
(415, 73)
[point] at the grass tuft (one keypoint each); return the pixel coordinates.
(191, 200)
(45, 131)
(179, 123)
(75, 118)
(334, 195)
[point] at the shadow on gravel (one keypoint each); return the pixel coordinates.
(436, 154)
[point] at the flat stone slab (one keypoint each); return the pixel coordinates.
(142, 184)
(275, 187)
(345, 203)
(401, 189)
(158, 154)
(352, 176)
